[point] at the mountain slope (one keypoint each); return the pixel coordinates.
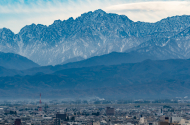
(174, 47)
(113, 58)
(15, 61)
(136, 79)
(97, 33)
(9, 72)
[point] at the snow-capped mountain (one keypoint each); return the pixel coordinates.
(97, 33)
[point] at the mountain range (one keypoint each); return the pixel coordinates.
(98, 33)
(148, 79)
(114, 58)
(97, 54)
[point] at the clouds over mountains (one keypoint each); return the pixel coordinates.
(151, 11)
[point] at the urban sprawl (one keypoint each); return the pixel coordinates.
(95, 112)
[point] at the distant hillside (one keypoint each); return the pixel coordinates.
(113, 58)
(8, 72)
(147, 79)
(15, 61)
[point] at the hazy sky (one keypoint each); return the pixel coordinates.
(14, 14)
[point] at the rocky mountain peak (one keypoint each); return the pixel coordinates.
(98, 33)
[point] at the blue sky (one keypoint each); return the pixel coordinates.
(14, 14)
